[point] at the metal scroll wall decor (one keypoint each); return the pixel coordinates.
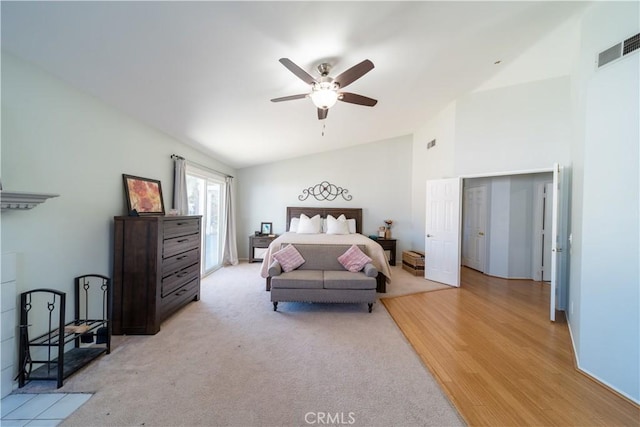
(325, 191)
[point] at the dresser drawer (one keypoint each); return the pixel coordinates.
(177, 262)
(175, 280)
(180, 297)
(262, 242)
(181, 227)
(181, 244)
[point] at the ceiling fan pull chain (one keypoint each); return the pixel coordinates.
(324, 125)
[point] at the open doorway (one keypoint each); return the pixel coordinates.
(509, 221)
(506, 225)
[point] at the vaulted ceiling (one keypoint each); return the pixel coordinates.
(204, 72)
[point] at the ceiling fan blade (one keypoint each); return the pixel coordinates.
(322, 113)
(302, 74)
(354, 73)
(354, 98)
(290, 97)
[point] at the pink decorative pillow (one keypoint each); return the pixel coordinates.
(289, 258)
(354, 259)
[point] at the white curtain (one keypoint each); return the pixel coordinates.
(180, 202)
(229, 246)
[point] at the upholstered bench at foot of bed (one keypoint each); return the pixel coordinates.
(323, 295)
(323, 279)
(337, 287)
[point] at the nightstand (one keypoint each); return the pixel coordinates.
(389, 245)
(260, 242)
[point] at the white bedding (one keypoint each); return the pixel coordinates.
(372, 248)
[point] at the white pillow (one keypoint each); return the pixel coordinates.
(351, 222)
(293, 227)
(337, 226)
(309, 225)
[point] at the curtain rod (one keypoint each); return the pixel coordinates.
(175, 156)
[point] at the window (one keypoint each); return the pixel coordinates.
(205, 195)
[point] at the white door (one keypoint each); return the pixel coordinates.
(547, 232)
(474, 214)
(442, 240)
(556, 247)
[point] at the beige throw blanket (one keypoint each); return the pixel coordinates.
(372, 248)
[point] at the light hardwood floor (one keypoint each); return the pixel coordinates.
(500, 360)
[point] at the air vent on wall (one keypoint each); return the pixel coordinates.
(619, 50)
(631, 44)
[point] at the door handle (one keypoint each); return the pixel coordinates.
(429, 235)
(481, 234)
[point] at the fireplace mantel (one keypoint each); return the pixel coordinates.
(22, 200)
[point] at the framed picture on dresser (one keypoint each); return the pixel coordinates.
(144, 195)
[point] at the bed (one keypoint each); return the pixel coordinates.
(372, 248)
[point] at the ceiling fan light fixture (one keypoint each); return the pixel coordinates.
(324, 98)
(324, 95)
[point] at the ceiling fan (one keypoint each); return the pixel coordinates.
(325, 91)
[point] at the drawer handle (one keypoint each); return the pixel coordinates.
(181, 257)
(180, 292)
(184, 273)
(182, 223)
(183, 240)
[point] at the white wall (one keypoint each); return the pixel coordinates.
(519, 127)
(605, 278)
(8, 323)
(56, 139)
(433, 163)
(377, 175)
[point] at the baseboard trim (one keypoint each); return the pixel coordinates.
(509, 278)
(595, 378)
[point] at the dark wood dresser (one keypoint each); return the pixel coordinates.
(156, 270)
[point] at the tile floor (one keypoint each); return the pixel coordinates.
(39, 409)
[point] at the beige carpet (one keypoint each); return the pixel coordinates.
(405, 283)
(230, 360)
